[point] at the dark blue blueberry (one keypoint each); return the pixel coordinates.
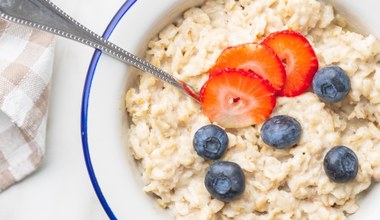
(225, 180)
(341, 164)
(331, 84)
(210, 142)
(281, 131)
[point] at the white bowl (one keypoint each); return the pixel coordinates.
(106, 120)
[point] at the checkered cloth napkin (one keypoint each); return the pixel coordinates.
(26, 60)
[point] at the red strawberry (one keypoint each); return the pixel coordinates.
(259, 58)
(237, 98)
(298, 57)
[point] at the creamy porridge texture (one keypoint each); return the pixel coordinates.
(280, 184)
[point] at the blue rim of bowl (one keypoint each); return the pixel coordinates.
(85, 104)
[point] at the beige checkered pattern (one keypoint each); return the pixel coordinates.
(26, 59)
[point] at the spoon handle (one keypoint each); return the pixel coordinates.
(44, 15)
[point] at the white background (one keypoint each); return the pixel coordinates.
(61, 188)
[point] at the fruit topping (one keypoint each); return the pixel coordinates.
(237, 98)
(225, 180)
(281, 131)
(250, 56)
(341, 164)
(210, 142)
(331, 84)
(298, 57)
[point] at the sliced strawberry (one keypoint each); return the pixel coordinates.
(250, 56)
(237, 98)
(298, 57)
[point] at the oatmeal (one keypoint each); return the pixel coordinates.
(280, 184)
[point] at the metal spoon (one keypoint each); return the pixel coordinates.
(44, 15)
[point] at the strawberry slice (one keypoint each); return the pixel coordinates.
(298, 57)
(250, 56)
(237, 98)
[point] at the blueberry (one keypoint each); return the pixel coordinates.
(341, 164)
(281, 131)
(331, 84)
(210, 142)
(225, 180)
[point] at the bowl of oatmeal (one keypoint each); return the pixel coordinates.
(138, 132)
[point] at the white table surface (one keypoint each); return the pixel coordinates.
(61, 188)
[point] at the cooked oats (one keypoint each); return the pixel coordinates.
(280, 184)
